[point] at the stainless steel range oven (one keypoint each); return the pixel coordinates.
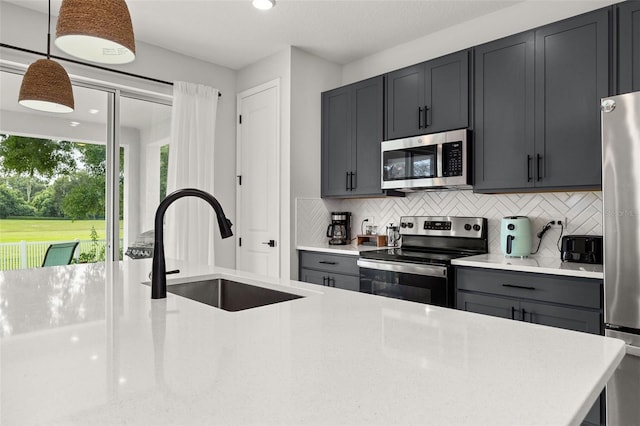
(420, 270)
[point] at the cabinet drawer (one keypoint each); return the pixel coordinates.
(334, 263)
(524, 285)
(346, 282)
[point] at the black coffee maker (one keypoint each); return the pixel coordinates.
(339, 231)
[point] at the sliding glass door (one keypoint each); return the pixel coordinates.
(91, 176)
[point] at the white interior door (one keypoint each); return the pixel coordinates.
(258, 186)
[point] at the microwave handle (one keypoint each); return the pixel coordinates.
(439, 161)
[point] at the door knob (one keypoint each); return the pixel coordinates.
(270, 243)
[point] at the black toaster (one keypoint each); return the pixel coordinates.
(582, 248)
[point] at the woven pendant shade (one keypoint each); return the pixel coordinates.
(96, 30)
(46, 87)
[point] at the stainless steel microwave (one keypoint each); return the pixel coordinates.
(439, 160)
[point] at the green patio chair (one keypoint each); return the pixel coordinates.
(59, 254)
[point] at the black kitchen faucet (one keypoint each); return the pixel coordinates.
(158, 270)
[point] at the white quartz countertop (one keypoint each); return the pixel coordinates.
(541, 265)
(86, 344)
(350, 249)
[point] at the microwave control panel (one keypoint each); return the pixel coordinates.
(452, 159)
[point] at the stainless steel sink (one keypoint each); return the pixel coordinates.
(230, 295)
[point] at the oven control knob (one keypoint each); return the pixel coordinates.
(467, 227)
(410, 225)
(476, 227)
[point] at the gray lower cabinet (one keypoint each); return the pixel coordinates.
(331, 270)
(628, 46)
(557, 301)
(537, 98)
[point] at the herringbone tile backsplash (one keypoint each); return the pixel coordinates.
(582, 210)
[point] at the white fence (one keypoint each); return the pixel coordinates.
(24, 254)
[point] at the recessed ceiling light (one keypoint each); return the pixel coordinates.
(74, 124)
(94, 111)
(264, 4)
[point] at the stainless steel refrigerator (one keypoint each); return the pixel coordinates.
(621, 197)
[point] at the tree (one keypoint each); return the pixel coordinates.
(45, 203)
(86, 197)
(94, 158)
(31, 156)
(164, 167)
(22, 183)
(12, 203)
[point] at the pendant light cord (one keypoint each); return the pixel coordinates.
(49, 32)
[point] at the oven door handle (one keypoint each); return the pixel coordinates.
(405, 268)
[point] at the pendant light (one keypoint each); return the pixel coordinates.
(96, 30)
(46, 85)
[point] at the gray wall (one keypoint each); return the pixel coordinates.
(517, 18)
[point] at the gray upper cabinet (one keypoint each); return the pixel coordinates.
(336, 141)
(429, 97)
(504, 105)
(572, 75)
(367, 137)
(447, 93)
(628, 46)
(405, 102)
(537, 123)
(352, 123)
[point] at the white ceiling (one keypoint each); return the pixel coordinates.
(90, 109)
(232, 33)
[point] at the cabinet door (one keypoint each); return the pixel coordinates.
(504, 105)
(570, 319)
(405, 100)
(572, 74)
(345, 282)
(488, 305)
(336, 142)
(367, 117)
(447, 93)
(562, 317)
(629, 46)
(313, 277)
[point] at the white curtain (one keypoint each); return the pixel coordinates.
(190, 222)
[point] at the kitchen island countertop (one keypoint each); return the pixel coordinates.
(85, 344)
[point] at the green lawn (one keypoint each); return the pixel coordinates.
(15, 230)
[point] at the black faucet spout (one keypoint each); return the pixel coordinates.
(158, 271)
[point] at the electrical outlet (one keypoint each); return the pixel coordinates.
(560, 219)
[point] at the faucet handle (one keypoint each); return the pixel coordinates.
(173, 271)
